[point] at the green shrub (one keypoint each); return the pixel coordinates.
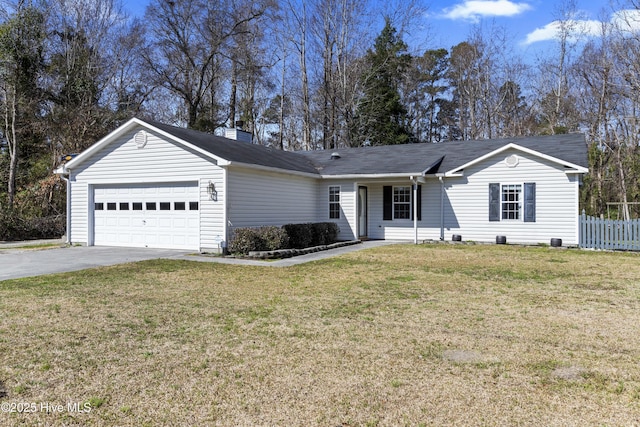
(14, 226)
(311, 234)
(274, 238)
(300, 235)
(325, 233)
(248, 239)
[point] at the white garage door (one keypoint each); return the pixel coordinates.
(150, 215)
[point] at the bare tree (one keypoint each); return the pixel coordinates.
(83, 65)
(187, 44)
(554, 85)
(21, 64)
(298, 16)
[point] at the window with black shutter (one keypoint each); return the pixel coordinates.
(397, 202)
(512, 202)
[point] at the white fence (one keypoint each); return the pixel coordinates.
(598, 233)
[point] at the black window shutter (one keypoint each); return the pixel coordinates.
(529, 202)
(387, 203)
(494, 202)
(419, 197)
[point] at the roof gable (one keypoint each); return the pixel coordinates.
(567, 164)
(221, 150)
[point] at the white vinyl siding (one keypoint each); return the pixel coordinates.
(464, 205)
(348, 214)
(160, 161)
(258, 198)
(80, 221)
(556, 210)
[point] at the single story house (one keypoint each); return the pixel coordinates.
(148, 184)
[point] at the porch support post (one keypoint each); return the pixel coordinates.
(415, 209)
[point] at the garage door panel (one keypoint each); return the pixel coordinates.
(157, 215)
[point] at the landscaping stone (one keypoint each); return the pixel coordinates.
(287, 253)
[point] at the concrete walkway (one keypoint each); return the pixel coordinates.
(286, 262)
(17, 260)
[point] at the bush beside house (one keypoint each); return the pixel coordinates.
(15, 227)
(289, 236)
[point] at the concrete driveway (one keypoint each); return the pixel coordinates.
(17, 262)
(23, 262)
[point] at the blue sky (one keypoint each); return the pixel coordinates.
(528, 22)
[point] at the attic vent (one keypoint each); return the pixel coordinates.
(140, 138)
(512, 161)
(335, 155)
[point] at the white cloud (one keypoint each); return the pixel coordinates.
(473, 10)
(626, 21)
(552, 30)
(548, 32)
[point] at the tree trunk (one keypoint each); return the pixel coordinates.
(12, 144)
(233, 96)
(282, 94)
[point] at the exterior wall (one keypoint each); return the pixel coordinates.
(348, 213)
(160, 161)
(463, 208)
(258, 198)
(79, 213)
(556, 201)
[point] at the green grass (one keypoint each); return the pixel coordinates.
(399, 335)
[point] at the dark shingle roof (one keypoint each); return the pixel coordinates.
(415, 158)
(388, 159)
(241, 152)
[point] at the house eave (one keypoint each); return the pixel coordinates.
(439, 175)
(270, 169)
(577, 171)
(373, 176)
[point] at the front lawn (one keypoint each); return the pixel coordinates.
(399, 335)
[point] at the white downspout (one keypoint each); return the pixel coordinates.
(67, 179)
(225, 211)
(415, 209)
(441, 179)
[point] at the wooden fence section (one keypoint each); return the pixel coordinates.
(598, 233)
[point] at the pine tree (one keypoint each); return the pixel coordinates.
(382, 119)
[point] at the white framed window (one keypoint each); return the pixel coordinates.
(511, 201)
(334, 202)
(402, 202)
